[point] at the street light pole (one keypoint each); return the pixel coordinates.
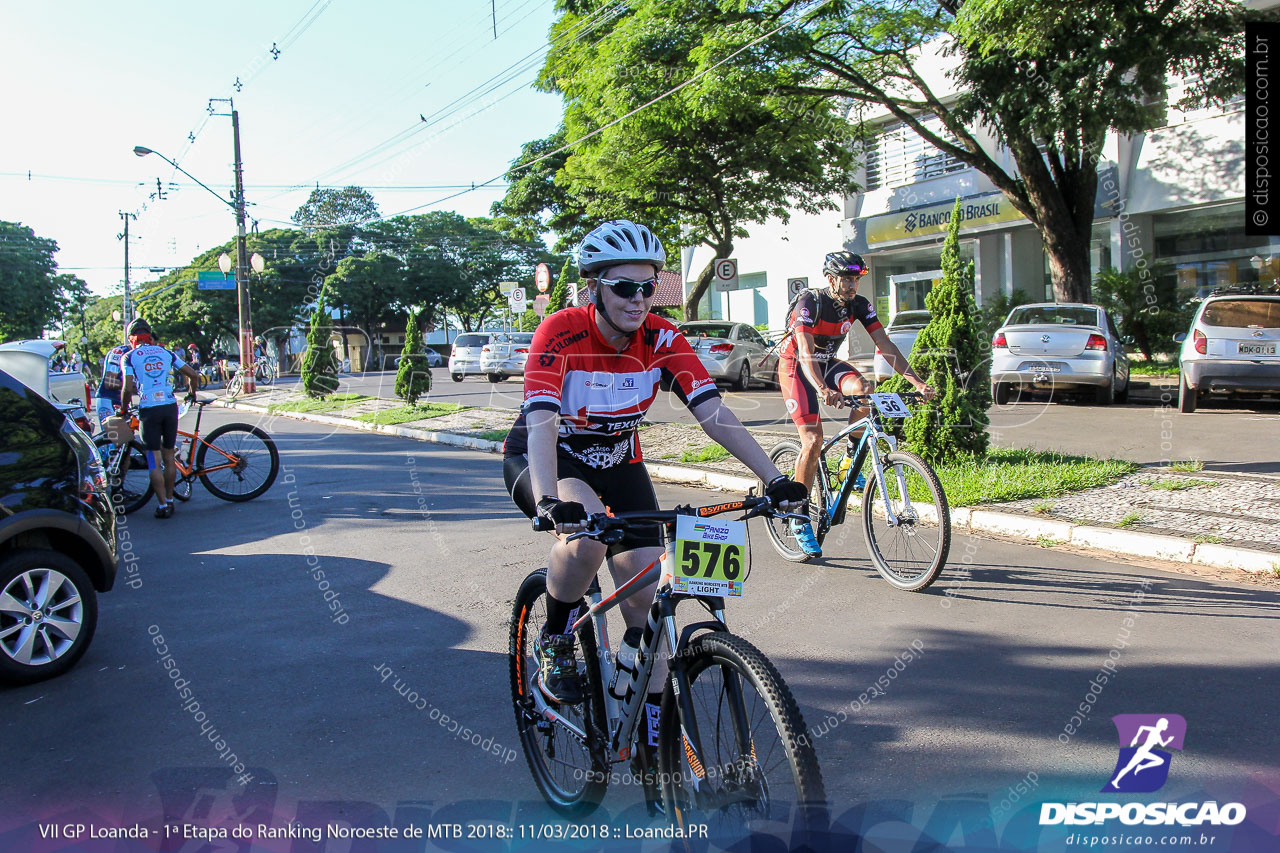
(126, 308)
(242, 267)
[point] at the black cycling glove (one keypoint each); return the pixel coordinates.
(561, 512)
(783, 490)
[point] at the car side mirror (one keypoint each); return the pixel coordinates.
(1180, 337)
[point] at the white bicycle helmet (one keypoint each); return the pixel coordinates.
(618, 241)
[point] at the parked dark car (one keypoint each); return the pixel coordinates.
(57, 536)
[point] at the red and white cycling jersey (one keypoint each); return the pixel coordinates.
(602, 394)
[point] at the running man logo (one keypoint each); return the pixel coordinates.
(1143, 765)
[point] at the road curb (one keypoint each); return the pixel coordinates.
(1107, 540)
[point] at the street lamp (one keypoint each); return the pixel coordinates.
(242, 261)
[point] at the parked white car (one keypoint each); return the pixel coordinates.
(732, 352)
(29, 362)
(505, 354)
(1063, 346)
(464, 358)
(903, 331)
(1233, 347)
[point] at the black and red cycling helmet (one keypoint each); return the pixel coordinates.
(844, 263)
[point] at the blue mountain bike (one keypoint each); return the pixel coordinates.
(905, 517)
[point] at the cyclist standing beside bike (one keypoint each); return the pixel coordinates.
(809, 372)
(591, 374)
(149, 372)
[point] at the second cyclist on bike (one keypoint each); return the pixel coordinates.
(809, 372)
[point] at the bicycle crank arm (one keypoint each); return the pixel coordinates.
(546, 712)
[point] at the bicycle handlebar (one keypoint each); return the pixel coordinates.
(865, 399)
(600, 524)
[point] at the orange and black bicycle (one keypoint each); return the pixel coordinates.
(235, 462)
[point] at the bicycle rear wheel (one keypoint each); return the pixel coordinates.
(773, 785)
(784, 456)
(910, 554)
(256, 462)
(132, 491)
(564, 767)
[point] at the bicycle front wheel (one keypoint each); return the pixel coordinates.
(784, 456)
(235, 386)
(757, 772)
(132, 490)
(563, 765)
(242, 459)
(910, 551)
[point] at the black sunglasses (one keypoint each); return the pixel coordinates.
(625, 288)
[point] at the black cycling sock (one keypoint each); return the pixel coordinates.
(560, 615)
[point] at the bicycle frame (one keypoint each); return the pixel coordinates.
(188, 469)
(621, 718)
(872, 434)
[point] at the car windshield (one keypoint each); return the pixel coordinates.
(910, 318)
(1242, 313)
(1064, 315)
(707, 331)
(471, 340)
(517, 338)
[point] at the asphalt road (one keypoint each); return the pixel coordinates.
(1148, 429)
(422, 552)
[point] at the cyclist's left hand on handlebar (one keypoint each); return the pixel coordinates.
(567, 516)
(190, 398)
(786, 493)
(926, 390)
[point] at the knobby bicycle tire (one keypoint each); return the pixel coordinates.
(783, 455)
(249, 445)
(235, 386)
(904, 572)
(130, 499)
(806, 819)
(525, 624)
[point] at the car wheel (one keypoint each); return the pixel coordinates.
(1122, 396)
(49, 618)
(1106, 395)
(1000, 393)
(744, 377)
(1187, 396)
(456, 377)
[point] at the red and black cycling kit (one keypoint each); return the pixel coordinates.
(828, 319)
(601, 396)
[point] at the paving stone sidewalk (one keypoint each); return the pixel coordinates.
(1236, 510)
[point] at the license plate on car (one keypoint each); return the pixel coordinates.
(1044, 368)
(1257, 349)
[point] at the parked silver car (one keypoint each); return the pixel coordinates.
(464, 358)
(903, 331)
(1059, 347)
(504, 356)
(732, 352)
(1234, 346)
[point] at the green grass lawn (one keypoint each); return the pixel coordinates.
(404, 414)
(495, 435)
(328, 404)
(1011, 475)
(710, 453)
(1156, 368)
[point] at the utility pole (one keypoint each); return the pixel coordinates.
(242, 266)
(126, 307)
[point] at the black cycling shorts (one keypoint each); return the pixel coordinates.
(622, 488)
(159, 426)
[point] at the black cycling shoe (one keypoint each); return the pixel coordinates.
(164, 510)
(644, 767)
(559, 679)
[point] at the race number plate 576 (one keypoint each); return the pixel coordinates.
(709, 556)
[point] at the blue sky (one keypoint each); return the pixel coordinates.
(89, 81)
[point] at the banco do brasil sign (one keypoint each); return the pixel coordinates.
(982, 210)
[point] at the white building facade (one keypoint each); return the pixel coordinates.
(1174, 195)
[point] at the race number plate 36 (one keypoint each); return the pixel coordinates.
(710, 556)
(890, 405)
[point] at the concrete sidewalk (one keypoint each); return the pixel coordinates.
(1215, 520)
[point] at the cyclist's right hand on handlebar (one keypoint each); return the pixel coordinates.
(562, 513)
(832, 397)
(786, 493)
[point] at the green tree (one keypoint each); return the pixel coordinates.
(564, 286)
(1046, 79)
(696, 166)
(370, 289)
(330, 209)
(950, 355)
(413, 376)
(32, 296)
(320, 363)
(1144, 304)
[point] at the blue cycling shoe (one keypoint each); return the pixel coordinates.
(859, 483)
(803, 532)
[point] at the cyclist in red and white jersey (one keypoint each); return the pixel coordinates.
(810, 373)
(591, 374)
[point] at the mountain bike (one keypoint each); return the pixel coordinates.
(127, 473)
(732, 746)
(905, 517)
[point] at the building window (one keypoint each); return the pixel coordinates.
(752, 280)
(899, 156)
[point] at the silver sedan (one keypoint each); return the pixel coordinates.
(732, 352)
(1059, 347)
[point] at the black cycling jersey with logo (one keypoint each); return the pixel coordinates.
(828, 320)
